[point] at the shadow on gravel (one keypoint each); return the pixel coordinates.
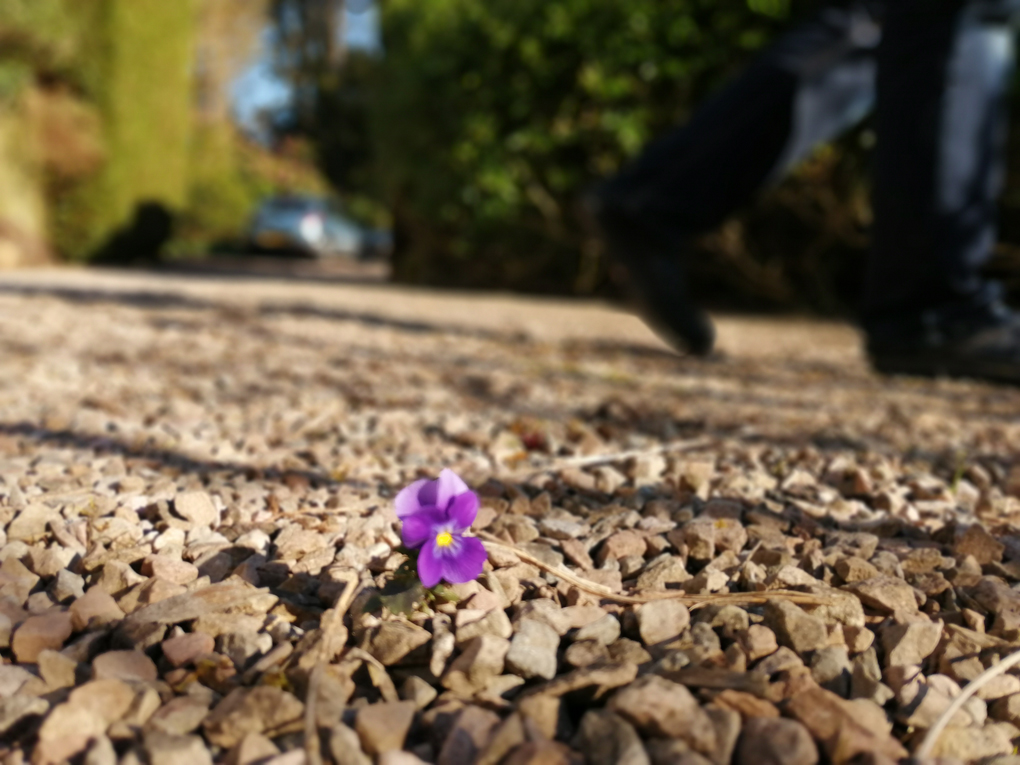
(615, 387)
(288, 269)
(161, 458)
(170, 300)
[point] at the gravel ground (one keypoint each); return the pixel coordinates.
(198, 542)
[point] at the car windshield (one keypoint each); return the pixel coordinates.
(299, 204)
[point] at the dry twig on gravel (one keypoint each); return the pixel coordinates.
(692, 601)
(931, 738)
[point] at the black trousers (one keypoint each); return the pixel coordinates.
(936, 74)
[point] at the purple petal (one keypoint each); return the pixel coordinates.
(407, 501)
(463, 509)
(416, 529)
(430, 567)
(427, 493)
(448, 486)
(463, 564)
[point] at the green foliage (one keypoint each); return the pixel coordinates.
(102, 139)
(228, 178)
(491, 116)
(341, 132)
(37, 37)
(220, 199)
(38, 40)
(136, 66)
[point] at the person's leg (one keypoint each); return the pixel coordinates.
(812, 84)
(944, 69)
(944, 66)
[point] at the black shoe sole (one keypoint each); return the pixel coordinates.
(654, 281)
(668, 312)
(948, 365)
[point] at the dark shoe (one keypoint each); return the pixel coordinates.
(654, 276)
(985, 346)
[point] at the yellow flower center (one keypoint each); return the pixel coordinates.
(445, 539)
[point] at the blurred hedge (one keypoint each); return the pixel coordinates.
(490, 116)
(46, 132)
(229, 176)
(135, 65)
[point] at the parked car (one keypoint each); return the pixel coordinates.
(313, 227)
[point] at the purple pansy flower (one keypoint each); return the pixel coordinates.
(435, 515)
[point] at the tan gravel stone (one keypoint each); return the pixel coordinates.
(620, 545)
(48, 561)
(485, 600)
(658, 707)
(170, 569)
(264, 709)
(999, 687)
(39, 633)
(747, 705)
(383, 726)
(1006, 709)
(757, 641)
(833, 723)
(470, 624)
(997, 598)
(94, 609)
(532, 651)
(794, 628)
(253, 748)
(56, 669)
(416, 690)
(854, 569)
(468, 735)
(391, 641)
(66, 586)
(697, 538)
(195, 604)
(976, 541)
(858, 639)
(116, 577)
(184, 649)
(345, 746)
(605, 630)
(910, 643)
(972, 744)
(65, 732)
(923, 560)
(663, 573)
(197, 508)
(148, 592)
(608, 739)
(29, 525)
(775, 741)
(180, 715)
(14, 709)
(709, 580)
(885, 594)
(16, 580)
(110, 700)
(145, 704)
(577, 553)
(662, 621)
(546, 611)
(585, 652)
(169, 749)
(131, 666)
(482, 658)
(581, 616)
(242, 648)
